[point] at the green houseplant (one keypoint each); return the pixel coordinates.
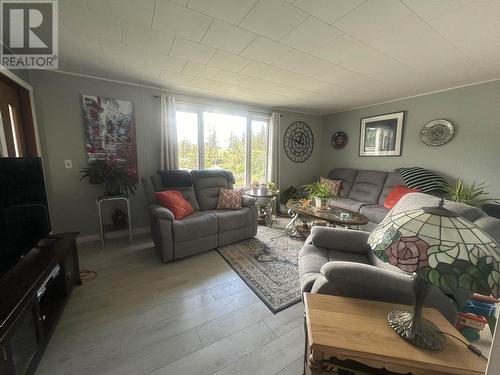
(321, 193)
(473, 195)
(117, 179)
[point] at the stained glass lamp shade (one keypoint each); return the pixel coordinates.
(441, 249)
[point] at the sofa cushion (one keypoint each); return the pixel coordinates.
(186, 191)
(312, 258)
(197, 225)
(175, 202)
(347, 176)
(396, 194)
(375, 213)
(232, 219)
(367, 186)
(230, 199)
(175, 178)
(348, 204)
(393, 179)
(207, 184)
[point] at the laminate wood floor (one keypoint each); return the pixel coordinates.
(193, 316)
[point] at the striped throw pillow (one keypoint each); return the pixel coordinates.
(423, 179)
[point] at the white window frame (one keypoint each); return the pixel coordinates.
(249, 115)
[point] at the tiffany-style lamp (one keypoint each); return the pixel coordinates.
(439, 248)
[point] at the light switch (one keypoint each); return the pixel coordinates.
(68, 164)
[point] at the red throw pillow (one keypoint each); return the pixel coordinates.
(175, 202)
(395, 195)
(230, 199)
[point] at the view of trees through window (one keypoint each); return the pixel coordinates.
(224, 144)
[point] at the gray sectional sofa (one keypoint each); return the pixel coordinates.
(205, 229)
(365, 192)
(340, 262)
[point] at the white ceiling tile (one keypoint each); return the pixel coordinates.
(181, 2)
(163, 61)
(141, 72)
(273, 18)
(145, 37)
(228, 61)
(232, 11)
(311, 35)
(199, 70)
(139, 12)
(434, 10)
(174, 79)
(181, 21)
(272, 87)
(354, 55)
(372, 18)
(416, 44)
(191, 51)
(328, 10)
(227, 37)
(84, 22)
(129, 53)
(265, 50)
(77, 44)
(229, 77)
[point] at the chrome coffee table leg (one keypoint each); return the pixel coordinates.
(290, 229)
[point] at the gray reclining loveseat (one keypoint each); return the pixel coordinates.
(206, 228)
(340, 262)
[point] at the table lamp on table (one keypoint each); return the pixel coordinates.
(440, 248)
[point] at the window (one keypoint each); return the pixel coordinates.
(209, 139)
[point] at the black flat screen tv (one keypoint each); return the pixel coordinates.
(24, 213)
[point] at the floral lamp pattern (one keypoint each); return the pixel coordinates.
(449, 252)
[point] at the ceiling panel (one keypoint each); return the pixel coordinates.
(328, 10)
(310, 35)
(227, 37)
(138, 12)
(178, 20)
(232, 11)
(265, 50)
(191, 51)
(164, 61)
(145, 37)
(228, 61)
(314, 55)
(273, 18)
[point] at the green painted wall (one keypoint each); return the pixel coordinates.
(59, 111)
(473, 153)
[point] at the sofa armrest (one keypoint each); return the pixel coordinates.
(248, 201)
(353, 241)
(160, 212)
(356, 280)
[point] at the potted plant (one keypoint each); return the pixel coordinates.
(473, 195)
(117, 179)
(321, 193)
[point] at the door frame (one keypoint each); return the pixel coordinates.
(27, 86)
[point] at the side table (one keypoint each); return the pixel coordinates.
(353, 335)
(102, 199)
(266, 202)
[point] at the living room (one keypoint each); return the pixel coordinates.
(249, 186)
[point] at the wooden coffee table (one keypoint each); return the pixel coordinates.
(353, 334)
(332, 215)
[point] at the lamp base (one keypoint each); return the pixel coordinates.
(420, 332)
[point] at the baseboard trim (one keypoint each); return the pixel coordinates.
(110, 235)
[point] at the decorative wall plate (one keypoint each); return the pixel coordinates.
(298, 141)
(339, 140)
(437, 132)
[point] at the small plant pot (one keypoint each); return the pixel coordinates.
(321, 203)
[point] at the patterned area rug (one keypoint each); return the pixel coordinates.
(268, 264)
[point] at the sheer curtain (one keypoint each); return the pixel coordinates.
(169, 151)
(273, 149)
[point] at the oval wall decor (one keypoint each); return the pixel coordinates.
(298, 141)
(339, 140)
(437, 132)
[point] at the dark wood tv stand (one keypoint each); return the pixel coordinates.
(32, 297)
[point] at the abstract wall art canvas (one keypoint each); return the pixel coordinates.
(110, 131)
(381, 135)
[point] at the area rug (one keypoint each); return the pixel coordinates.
(268, 265)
